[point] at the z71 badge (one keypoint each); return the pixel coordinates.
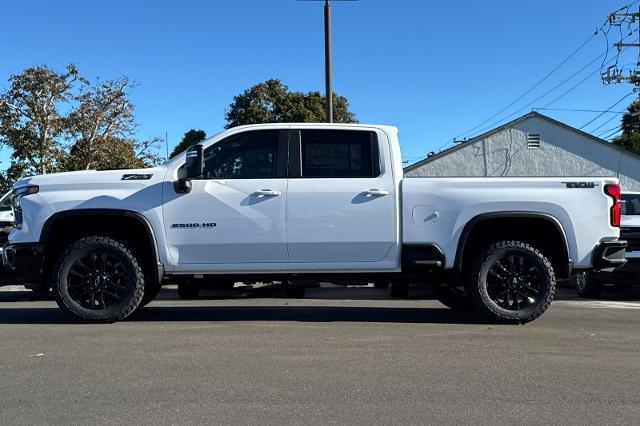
(194, 225)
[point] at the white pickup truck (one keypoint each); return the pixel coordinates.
(308, 201)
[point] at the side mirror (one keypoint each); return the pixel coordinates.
(193, 169)
(194, 165)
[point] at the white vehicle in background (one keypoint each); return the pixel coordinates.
(308, 201)
(591, 285)
(6, 211)
(6, 216)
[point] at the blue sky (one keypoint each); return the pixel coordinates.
(434, 69)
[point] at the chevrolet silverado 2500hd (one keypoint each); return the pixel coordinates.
(308, 200)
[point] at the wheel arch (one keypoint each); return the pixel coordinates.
(50, 231)
(486, 222)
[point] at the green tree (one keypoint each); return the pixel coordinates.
(31, 122)
(630, 138)
(104, 114)
(272, 102)
(192, 137)
(58, 121)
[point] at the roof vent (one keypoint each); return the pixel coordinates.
(533, 141)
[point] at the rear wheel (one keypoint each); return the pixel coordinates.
(588, 285)
(512, 282)
(98, 279)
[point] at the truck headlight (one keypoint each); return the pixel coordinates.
(17, 194)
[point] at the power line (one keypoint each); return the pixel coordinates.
(601, 114)
(532, 88)
(577, 110)
(611, 134)
(553, 89)
(612, 129)
(606, 122)
(575, 86)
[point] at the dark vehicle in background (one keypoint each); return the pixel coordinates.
(591, 284)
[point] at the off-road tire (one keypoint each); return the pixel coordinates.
(479, 288)
(133, 285)
(188, 291)
(150, 291)
(588, 285)
(453, 296)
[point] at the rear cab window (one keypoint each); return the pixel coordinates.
(339, 154)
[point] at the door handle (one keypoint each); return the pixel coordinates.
(267, 193)
(376, 193)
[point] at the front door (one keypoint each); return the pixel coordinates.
(234, 214)
(341, 198)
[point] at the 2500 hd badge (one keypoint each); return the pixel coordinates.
(194, 225)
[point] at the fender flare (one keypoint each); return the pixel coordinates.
(50, 222)
(567, 267)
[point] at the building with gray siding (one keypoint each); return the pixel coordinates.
(533, 145)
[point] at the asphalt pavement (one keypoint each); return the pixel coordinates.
(346, 355)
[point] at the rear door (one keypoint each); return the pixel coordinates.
(340, 198)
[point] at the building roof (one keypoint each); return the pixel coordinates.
(533, 114)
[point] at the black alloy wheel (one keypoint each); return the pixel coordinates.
(98, 279)
(512, 281)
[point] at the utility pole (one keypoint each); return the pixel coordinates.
(327, 61)
(613, 73)
(327, 57)
(618, 75)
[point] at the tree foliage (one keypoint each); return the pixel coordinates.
(192, 137)
(103, 115)
(630, 138)
(59, 121)
(31, 122)
(272, 102)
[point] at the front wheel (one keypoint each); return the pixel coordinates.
(512, 282)
(98, 279)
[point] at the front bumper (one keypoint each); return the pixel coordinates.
(23, 262)
(609, 255)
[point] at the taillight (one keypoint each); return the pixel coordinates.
(613, 191)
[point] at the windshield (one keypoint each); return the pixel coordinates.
(631, 204)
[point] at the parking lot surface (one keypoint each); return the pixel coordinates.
(321, 359)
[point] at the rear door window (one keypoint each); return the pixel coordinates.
(339, 154)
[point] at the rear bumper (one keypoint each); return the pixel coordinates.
(609, 255)
(23, 262)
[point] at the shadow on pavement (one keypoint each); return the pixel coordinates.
(259, 313)
(425, 315)
(306, 314)
(290, 313)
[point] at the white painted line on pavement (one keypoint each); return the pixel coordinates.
(597, 304)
